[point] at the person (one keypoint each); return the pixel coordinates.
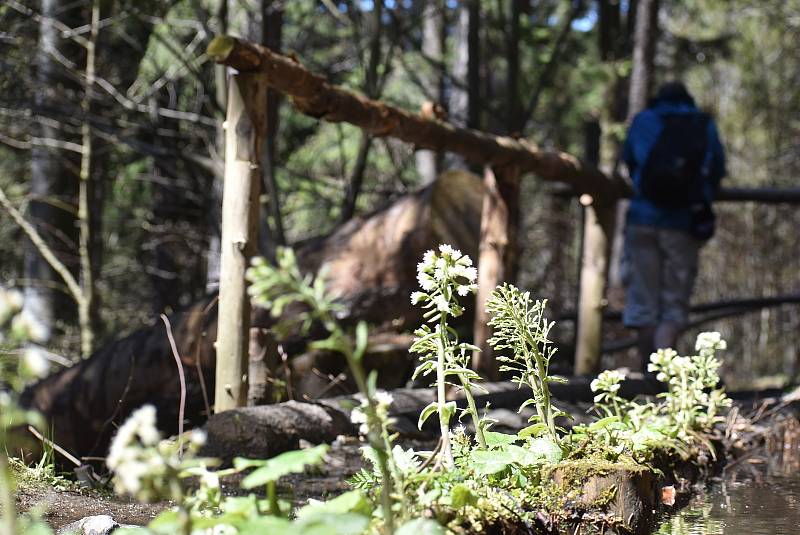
(676, 162)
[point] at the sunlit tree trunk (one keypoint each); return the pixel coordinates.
(433, 49)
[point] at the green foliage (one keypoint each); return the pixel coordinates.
(520, 327)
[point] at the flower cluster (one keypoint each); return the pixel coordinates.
(608, 382)
(358, 416)
(443, 276)
(692, 396)
(144, 466)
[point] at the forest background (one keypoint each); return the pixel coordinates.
(125, 114)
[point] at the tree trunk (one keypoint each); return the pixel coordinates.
(598, 226)
(464, 107)
(645, 37)
(513, 108)
(428, 162)
(53, 186)
(497, 255)
(372, 90)
(244, 136)
(86, 305)
(215, 213)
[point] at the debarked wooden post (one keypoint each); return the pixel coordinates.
(245, 128)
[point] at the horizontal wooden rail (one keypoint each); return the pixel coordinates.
(760, 195)
(313, 95)
(744, 304)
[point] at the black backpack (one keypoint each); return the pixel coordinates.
(672, 176)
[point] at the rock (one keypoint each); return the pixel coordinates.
(265, 431)
(91, 525)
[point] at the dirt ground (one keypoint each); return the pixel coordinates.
(62, 504)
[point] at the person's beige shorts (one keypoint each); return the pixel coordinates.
(658, 270)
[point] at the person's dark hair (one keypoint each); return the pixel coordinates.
(673, 92)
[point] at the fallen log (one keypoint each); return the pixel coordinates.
(370, 268)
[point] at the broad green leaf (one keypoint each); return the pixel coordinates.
(285, 463)
(495, 439)
(490, 462)
(545, 448)
(267, 524)
(604, 422)
(349, 502)
(524, 456)
(426, 413)
(420, 526)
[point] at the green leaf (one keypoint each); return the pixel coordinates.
(448, 411)
(461, 496)
(495, 439)
(490, 462)
(267, 524)
(362, 339)
(285, 463)
(426, 413)
(420, 526)
(349, 502)
(544, 447)
(533, 430)
(331, 524)
(602, 423)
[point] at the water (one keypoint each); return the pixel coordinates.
(762, 505)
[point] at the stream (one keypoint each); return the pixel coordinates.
(753, 505)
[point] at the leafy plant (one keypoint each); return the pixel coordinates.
(693, 400)
(443, 277)
(520, 326)
(276, 287)
(17, 368)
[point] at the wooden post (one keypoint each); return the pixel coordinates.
(497, 258)
(598, 228)
(245, 128)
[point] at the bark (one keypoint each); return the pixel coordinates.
(53, 186)
(465, 88)
(428, 162)
(496, 261)
(598, 227)
(87, 313)
(645, 37)
(215, 212)
(513, 108)
(272, 38)
(314, 96)
(372, 90)
(244, 137)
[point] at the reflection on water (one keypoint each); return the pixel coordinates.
(768, 505)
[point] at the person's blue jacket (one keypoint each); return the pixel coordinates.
(642, 135)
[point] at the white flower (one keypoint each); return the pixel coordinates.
(469, 273)
(448, 250)
(383, 398)
(426, 282)
(465, 261)
(441, 304)
(428, 258)
(30, 327)
(709, 341)
(358, 416)
(198, 437)
(34, 361)
(464, 289)
(416, 297)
